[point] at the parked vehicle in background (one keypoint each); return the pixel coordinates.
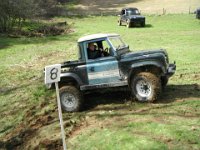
(197, 13)
(131, 17)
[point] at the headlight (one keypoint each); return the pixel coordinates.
(64, 70)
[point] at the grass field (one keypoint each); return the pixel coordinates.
(28, 111)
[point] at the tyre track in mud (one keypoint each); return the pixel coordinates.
(96, 105)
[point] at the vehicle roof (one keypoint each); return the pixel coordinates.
(96, 36)
(130, 8)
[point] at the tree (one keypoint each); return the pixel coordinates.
(11, 11)
(15, 12)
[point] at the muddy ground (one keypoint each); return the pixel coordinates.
(43, 131)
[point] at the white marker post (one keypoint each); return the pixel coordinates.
(52, 75)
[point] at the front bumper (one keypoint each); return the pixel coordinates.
(137, 21)
(171, 69)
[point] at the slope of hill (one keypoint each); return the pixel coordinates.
(146, 6)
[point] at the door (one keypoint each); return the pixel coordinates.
(103, 71)
(123, 15)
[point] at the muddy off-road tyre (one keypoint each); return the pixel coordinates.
(164, 81)
(146, 87)
(142, 24)
(71, 99)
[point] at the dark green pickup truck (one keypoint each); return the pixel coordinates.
(131, 17)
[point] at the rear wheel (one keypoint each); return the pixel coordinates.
(71, 99)
(143, 24)
(146, 87)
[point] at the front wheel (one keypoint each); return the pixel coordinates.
(146, 87)
(128, 23)
(119, 22)
(164, 81)
(71, 99)
(143, 24)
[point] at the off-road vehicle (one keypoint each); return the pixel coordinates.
(131, 17)
(144, 72)
(197, 13)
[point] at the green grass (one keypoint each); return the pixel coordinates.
(22, 85)
(159, 127)
(108, 139)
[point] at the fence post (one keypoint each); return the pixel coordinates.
(189, 10)
(163, 11)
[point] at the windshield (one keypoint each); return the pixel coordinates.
(117, 42)
(132, 12)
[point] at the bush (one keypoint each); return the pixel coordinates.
(15, 12)
(38, 30)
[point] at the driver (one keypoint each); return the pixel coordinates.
(93, 53)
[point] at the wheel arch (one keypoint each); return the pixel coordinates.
(154, 67)
(70, 79)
